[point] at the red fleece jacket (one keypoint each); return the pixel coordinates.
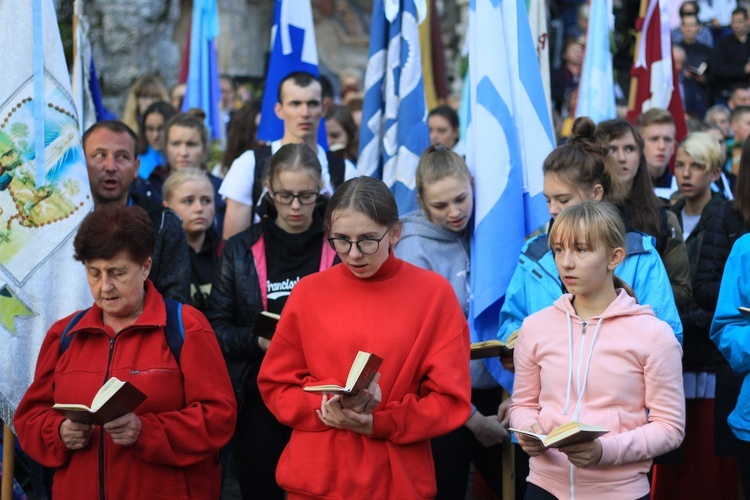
(188, 416)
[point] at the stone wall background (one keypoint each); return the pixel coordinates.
(134, 37)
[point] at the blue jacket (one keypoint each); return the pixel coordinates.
(535, 283)
(730, 331)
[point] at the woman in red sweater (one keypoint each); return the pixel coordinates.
(374, 443)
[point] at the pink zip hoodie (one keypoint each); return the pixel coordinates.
(621, 370)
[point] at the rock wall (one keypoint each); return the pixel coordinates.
(134, 37)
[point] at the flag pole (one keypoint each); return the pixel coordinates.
(9, 448)
(638, 39)
(76, 12)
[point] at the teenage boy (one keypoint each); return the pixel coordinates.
(657, 128)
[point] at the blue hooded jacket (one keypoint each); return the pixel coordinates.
(730, 329)
(535, 283)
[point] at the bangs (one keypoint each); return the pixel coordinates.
(576, 226)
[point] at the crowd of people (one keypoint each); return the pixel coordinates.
(627, 305)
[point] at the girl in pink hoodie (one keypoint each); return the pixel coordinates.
(598, 357)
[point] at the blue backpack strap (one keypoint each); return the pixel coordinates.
(66, 339)
(174, 330)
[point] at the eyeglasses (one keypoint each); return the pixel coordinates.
(287, 198)
(366, 246)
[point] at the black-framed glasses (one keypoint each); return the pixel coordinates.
(287, 198)
(366, 246)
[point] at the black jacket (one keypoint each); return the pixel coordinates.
(170, 266)
(699, 352)
(723, 229)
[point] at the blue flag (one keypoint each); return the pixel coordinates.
(292, 49)
(508, 137)
(203, 89)
(596, 90)
(394, 133)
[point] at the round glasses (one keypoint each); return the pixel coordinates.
(287, 198)
(366, 246)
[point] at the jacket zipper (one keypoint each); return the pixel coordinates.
(584, 325)
(101, 431)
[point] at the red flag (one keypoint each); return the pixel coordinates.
(185, 63)
(657, 82)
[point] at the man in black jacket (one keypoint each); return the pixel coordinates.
(112, 163)
(730, 62)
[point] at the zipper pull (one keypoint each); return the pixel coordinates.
(584, 324)
(135, 372)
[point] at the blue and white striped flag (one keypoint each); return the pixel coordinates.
(394, 133)
(293, 49)
(596, 89)
(44, 193)
(508, 137)
(203, 89)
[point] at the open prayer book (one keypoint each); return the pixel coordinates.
(363, 369)
(493, 348)
(566, 434)
(113, 400)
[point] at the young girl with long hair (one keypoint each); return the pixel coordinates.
(190, 194)
(598, 357)
(642, 209)
(259, 268)
(152, 137)
(436, 237)
(375, 443)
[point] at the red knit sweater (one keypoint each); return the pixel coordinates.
(411, 318)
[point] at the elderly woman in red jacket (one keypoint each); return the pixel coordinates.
(168, 447)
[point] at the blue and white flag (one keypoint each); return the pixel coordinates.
(596, 89)
(293, 48)
(203, 90)
(508, 138)
(44, 193)
(86, 92)
(394, 132)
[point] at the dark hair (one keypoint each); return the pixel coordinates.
(696, 8)
(738, 112)
(241, 133)
(160, 108)
(584, 161)
(297, 156)
(191, 119)
(115, 126)
(113, 228)
(446, 112)
(300, 78)
(366, 195)
(740, 10)
(741, 202)
(343, 116)
(641, 202)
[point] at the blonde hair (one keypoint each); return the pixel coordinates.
(595, 225)
(704, 150)
(179, 177)
(151, 84)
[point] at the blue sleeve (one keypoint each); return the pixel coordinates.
(652, 287)
(730, 331)
(515, 307)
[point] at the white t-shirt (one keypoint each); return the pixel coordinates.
(238, 183)
(688, 223)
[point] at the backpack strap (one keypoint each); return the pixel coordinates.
(336, 169)
(174, 330)
(66, 339)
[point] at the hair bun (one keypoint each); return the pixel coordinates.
(583, 129)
